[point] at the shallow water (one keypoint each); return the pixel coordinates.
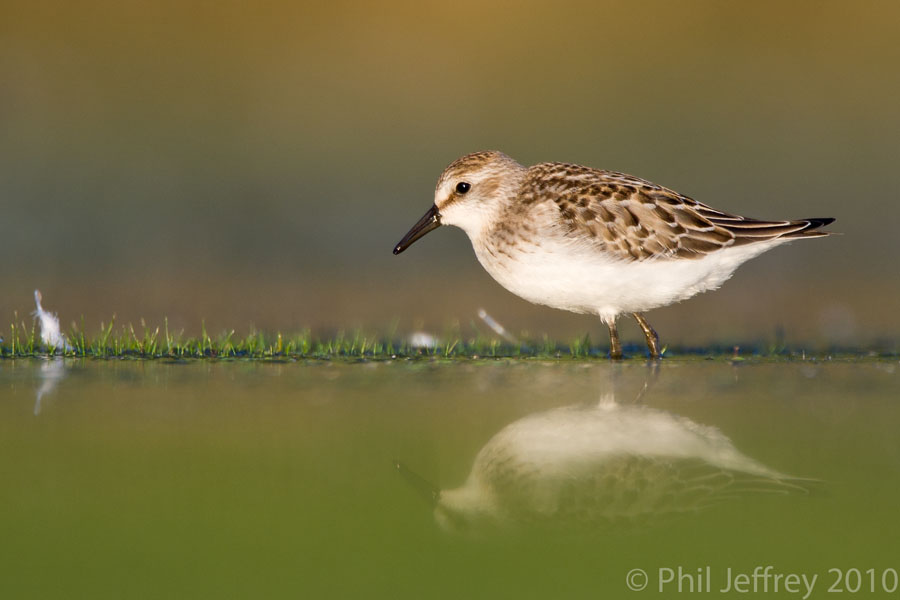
(230, 479)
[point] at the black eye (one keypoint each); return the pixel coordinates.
(462, 187)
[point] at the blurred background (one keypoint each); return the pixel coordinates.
(252, 164)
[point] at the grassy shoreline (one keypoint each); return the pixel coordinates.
(21, 341)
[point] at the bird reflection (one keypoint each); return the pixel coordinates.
(602, 464)
(52, 372)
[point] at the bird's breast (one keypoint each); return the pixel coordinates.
(546, 271)
(556, 272)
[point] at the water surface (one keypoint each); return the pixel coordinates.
(518, 479)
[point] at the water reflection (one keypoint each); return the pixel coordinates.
(602, 464)
(51, 373)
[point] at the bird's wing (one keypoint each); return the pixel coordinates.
(647, 485)
(628, 486)
(634, 219)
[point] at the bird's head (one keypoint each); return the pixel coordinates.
(469, 193)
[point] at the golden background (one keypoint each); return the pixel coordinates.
(254, 163)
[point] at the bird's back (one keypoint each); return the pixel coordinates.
(629, 218)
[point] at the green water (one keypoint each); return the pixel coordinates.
(253, 480)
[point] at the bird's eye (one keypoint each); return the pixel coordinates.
(462, 187)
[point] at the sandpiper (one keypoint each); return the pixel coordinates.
(592, 241)
(607, 464)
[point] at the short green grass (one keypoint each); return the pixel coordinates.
(21, 339)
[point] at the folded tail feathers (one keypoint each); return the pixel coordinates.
(751, 230)
(811, 229)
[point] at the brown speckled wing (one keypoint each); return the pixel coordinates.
(634, 219)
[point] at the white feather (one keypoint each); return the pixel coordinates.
(51, 336)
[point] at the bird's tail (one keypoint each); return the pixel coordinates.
(747, 231)
(811, 227)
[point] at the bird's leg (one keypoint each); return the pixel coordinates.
(615, 348)
(652, 338)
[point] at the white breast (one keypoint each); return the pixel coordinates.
(581, 279)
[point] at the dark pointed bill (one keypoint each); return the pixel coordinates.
(422, 486)
(431, 220)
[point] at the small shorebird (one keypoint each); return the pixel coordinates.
(592, 241)
(584, 466)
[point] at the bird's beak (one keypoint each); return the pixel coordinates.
(431, 220)
(422, 486)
